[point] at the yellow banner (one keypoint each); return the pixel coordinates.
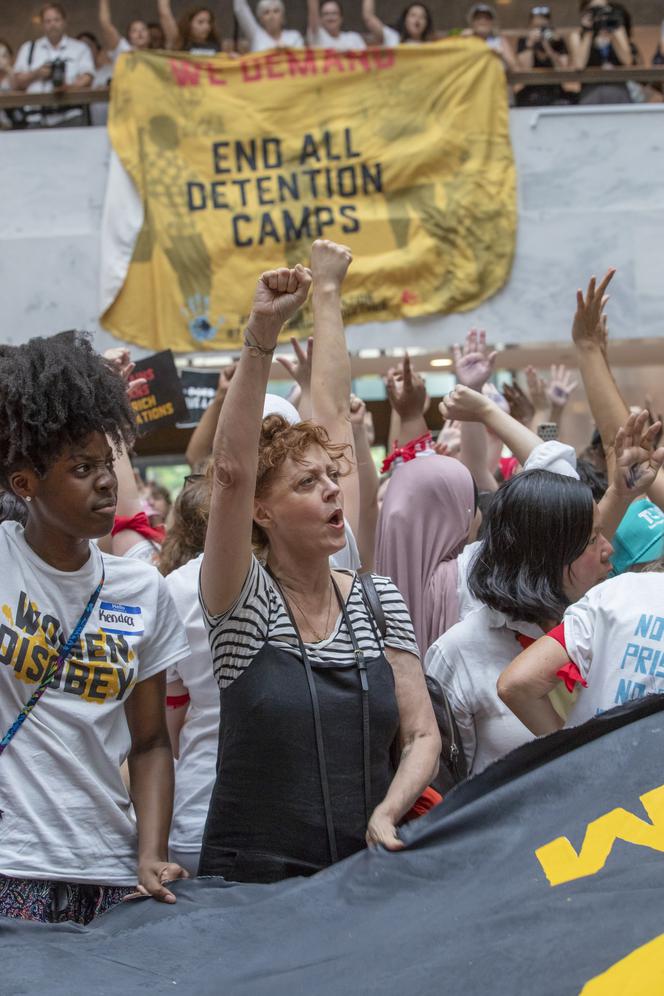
(402, 154)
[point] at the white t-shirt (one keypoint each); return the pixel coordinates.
(258, 38)
(391, 38)
(615, 636)
(199, 737)
(467, 601)
(466, 661)
(121, 47)
(76, 55)
(347, 559)
(145, 550)
(67, 814)
(345, 41)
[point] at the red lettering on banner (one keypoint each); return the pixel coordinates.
(283, 64)
(272, 63)
(384, 58)
(302, 63)
(185, 73)
(251, 71)
(333, 60)
(361, 57)
(214, 76)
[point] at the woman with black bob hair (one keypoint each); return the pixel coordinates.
(542, 549)
(86, 639)
(538, 526)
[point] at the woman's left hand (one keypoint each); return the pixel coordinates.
(152, 874)
(382, 830)
(637, 460)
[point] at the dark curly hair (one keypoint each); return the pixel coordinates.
(54, 392)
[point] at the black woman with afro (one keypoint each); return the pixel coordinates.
(85, 641)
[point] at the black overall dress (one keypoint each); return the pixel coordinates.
(276, 811)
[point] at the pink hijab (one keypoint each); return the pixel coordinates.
(422, 528)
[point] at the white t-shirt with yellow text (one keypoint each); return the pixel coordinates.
(67, 815)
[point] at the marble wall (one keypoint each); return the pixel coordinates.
(591, 194)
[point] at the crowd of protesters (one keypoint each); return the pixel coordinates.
(297, 657)
(56, 62)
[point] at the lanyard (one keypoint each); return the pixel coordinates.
(54, 669)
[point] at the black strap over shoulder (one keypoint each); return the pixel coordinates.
(373, 601)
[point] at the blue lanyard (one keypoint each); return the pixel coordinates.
(54, 669)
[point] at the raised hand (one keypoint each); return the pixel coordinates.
(521, 407)
(329, 264)
(299, 368)
(464, 405)
(637, 460)
(449, 440)
(225, 378)
(358, 411)
(537, 389)
(473, 365)
(560, 386)
(119, 359)
(406, 390)
(553, 394)
(279, 295)
(589, 325)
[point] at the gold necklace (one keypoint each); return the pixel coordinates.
(319, 638)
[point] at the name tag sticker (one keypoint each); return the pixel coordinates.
(124, 620)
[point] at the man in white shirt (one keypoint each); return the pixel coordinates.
(53, 63)
(324, 28)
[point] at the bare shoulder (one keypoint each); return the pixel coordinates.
(344, 580)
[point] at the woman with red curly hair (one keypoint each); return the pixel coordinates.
(313, 696)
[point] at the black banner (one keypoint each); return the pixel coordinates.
(198, 389)
(159, 402)
(543, 876)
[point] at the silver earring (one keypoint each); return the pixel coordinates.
(28, 498)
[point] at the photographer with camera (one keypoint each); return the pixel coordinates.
(604, 40)
(53, 63)
(541, 48)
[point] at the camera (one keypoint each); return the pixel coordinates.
(58, 71)
(548, 34)
(607, 18)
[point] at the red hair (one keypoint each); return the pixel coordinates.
(280, 440)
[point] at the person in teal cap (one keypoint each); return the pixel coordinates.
(639, 538)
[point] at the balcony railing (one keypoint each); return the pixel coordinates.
(532, 77)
